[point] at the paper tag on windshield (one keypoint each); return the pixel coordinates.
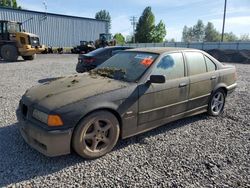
(143, 56)
(147, 62)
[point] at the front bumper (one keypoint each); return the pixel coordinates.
(50, 143)
(28, 50)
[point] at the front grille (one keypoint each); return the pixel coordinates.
(34, 41)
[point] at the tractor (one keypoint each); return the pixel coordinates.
(14, 42)
(105, 39)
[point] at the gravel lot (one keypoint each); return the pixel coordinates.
(200, 151)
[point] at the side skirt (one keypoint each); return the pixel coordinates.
(152, 125)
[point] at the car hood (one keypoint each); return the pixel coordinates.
(66, 90)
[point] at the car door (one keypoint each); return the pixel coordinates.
(203, 78)
(158, 102)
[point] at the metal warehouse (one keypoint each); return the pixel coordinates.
(55, 29)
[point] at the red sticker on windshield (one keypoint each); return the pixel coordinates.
(147, 62)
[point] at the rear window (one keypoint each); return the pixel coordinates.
(98, 51)
(196, 63)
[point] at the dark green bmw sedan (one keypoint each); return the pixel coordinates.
(132, 92)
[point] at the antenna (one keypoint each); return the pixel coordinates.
(133, 20)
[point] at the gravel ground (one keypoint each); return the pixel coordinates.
(200, 151)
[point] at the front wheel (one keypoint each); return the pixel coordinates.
(96, 135)
(9, 52)
(217, 103)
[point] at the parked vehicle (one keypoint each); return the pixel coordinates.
(14, 42)
(91, 60)
(105, 39)
(84, 47)
(132, 92)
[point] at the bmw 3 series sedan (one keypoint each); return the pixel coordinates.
(132, 92)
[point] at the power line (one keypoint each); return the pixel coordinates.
(133, 20)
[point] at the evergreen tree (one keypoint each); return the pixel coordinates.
(145, 26)
(104, 15)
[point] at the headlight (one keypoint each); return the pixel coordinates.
(41, 116)
(50, 120)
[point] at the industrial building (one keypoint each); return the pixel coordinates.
(55, 29)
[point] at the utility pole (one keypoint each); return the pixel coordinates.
(133, 20)
(45, 9)
(224, 18)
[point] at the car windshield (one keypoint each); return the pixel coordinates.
(126, 66)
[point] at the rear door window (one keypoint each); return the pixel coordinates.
(210, 64)
(171, 65)
(196, 63)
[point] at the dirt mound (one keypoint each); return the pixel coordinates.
(242, 56)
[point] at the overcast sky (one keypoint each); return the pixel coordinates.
(174, 13)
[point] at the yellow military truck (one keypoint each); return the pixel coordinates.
(14, 42)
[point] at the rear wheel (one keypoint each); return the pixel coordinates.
(30, 57)
(9, 52)
(217, 103)
(96, 135)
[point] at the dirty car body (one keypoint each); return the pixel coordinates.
(161, 86)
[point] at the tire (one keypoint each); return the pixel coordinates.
(217, 102)
(30, 57)
(96, 135)
(9, 52)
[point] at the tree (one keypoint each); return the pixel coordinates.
(185, 34)
(211, 34)
(104, 15)
(230, 37)
(145, 26)
(159, 32)
(245, 37)
(198, 31)
(9, 3)
(147, 31)
(119, 38)
(188, 34)
(172, 40)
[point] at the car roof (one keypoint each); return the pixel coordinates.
(160, 50)
(117, 47)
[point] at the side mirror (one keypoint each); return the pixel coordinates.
(158, 79)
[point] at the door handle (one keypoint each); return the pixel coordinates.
(213, 78)
(183, 84)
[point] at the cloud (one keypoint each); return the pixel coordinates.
(234, 21)
(121, 24)
(35, 7)
(174, 33)
(169, 3)
(238, 25)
